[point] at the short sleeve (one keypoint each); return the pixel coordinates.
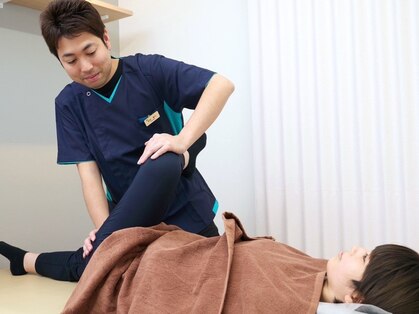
(181, 84)
(72, 146)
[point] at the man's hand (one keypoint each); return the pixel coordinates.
(88, 247)
(162, 143)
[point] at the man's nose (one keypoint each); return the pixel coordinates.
(86, 66)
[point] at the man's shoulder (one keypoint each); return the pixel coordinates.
(68, 94)
(143, 63)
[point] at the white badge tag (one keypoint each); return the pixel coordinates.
(151, 118)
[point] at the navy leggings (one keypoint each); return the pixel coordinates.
(143, 204)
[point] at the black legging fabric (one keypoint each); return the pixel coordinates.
(143, 204)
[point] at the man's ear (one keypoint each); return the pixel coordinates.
(348, 299)
(107, 39)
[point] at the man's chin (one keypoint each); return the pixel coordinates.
(96, 85)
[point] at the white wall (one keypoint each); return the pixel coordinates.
(213, 35)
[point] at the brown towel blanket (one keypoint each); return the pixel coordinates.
(166, 270)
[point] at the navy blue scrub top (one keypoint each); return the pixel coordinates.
(112, 131)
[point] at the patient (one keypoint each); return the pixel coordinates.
(165, 266)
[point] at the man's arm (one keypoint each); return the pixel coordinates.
(207, 110)
(93, 192)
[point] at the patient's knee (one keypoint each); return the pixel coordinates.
(169, 164)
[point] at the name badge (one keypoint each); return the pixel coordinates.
(151, 118)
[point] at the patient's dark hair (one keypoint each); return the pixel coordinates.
(69, 18)
(391, 280)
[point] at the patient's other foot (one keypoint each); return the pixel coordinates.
(193, 151)
(15, 256)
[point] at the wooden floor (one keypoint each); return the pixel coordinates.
(32, 294)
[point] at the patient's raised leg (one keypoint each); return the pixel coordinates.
(144, 204)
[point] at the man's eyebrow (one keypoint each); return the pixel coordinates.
(70, 54)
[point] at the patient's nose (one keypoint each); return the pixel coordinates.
(354, 250)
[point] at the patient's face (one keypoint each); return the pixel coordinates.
(344, 268)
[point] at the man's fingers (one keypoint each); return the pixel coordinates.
(161, 151)
(92, 235)
(87, 244)
(148, 151)
(158, 145)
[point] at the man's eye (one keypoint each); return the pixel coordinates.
(365, 257)
(91, 53)
(71, 61)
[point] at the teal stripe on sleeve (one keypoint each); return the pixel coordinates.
(108, 195)
(215, 207)
(72, 162)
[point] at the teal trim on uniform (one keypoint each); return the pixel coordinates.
(108, 195)
(109, 100)
(175, 119)
(73, 162)
(215, 207)
(142, 119)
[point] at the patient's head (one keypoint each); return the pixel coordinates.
(342, 270)
(69, 19)
(388, 277)
(391, 279)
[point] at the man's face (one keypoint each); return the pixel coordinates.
(86, 59)
(344, 268)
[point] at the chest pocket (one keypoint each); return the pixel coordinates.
(156, 121)
(173, 121)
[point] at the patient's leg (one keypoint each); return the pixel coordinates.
(57, 265)
(29, 262)
(15, 255)
(144, 204)
(148, 197)
(193, 152)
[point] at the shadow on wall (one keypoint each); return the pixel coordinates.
(20, 19)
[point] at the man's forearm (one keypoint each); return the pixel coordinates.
(207, 110)
(96, 204)
(93, 192)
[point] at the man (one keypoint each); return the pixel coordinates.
(121, 121)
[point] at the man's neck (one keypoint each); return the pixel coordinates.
(115, 63)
